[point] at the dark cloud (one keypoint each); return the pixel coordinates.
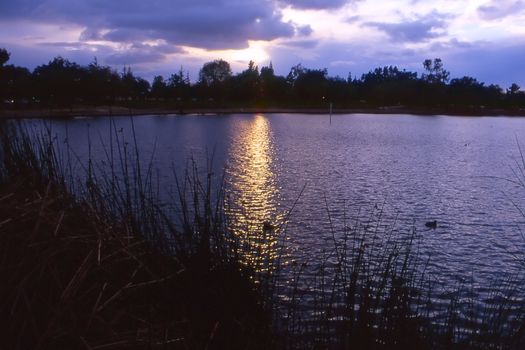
(305, 44)
(89, 34)
(210, 24)
(421, 29)
(74, 45)
(452, 44)
(317, 4)
(129, 54)
(500, 9)
(133, 57)
(162, 48)
(304, 30)
(353, 19)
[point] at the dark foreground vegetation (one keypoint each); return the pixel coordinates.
(105, 270)
(93, 259)
(61, 83)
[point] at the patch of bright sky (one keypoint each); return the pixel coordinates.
(509, 26)
(469, 26)
(465, 23)
(238, 59)
(325, 24)
(255, 52)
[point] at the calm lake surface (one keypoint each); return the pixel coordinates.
(406, 169)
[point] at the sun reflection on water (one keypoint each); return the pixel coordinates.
(252, 193)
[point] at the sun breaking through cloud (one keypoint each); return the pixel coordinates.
(483, 38)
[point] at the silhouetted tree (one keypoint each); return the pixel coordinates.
(159, 88)
(179, 79)
(309, 86)
(15, 85)
(133, 88)
(434, 93)
(267, 77)
(493, 96)
(101, 84)
(179, 85)
(435, 71)
(515, 97)
(215, 72)
(267, 71)
(273, 89)
(4, 56)
(246, 85)
(294, 73)
(214, 79)
(59, 81)
(339, 91)
(389, 86)
(513, 89)
(466, 91)
(142, 87)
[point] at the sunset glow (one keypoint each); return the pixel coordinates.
(343, 36)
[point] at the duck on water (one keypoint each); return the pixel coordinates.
(431, 224)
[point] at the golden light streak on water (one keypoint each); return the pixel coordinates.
(252, 196)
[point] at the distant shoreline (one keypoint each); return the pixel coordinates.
(118, 111)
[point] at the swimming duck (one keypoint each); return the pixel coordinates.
(431, 224)
(268, 226)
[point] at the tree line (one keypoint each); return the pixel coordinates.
(61, 82)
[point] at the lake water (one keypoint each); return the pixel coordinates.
(411, 169)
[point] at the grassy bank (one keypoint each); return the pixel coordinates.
(94, 259)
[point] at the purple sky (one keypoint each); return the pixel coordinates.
(481, 38)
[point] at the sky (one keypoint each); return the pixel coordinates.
(484, 39)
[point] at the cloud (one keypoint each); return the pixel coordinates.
(317, 4)
(152, 35)
(304, 30)
(74, 45)
(353, 19)
(304, 44)
(427, 27)
(131, 57)
(90, 34)
(209, 24)
(342, 63)
(453, 44)
(339, 58)
(134, 53)
(494, 10)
